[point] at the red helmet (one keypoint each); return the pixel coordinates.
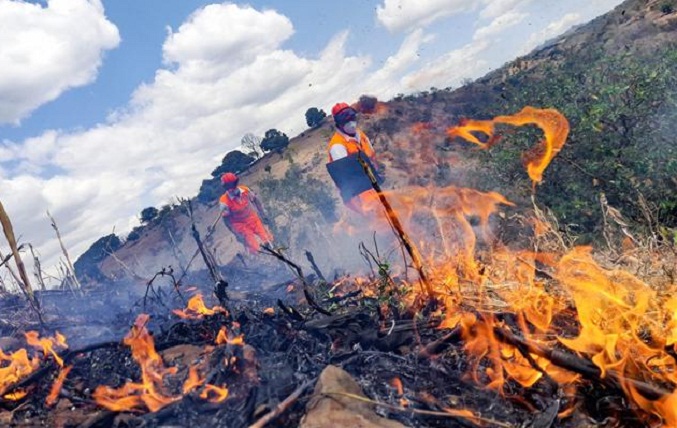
(339, 107)
(229, 179)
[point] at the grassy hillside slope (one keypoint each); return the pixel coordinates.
(613, 78)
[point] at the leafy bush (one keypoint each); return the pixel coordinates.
(274, 140)
(134, 234)
(622, 111)
(234, 162)
(315, 117)
(148, 214)
(87, 265)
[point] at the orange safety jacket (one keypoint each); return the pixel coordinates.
(352, 145)
(239, 208)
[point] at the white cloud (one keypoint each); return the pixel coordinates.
(551, 30)
(398, 15)
(499, 24)
(495, 8)
(226, 73)
(451, 68)
(175, 128)
(48, 50)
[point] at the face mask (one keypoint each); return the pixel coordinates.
(350, 128)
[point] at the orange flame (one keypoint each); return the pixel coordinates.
(194, 380)
(47, 344)
(13, 368)
(553, 123)
(56, 387)
(214, 393)
(223, 338)
(151, 393)
(196, 309)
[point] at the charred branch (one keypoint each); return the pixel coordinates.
(283, 405)
(581, 366)
(24, 284)
(316, 269)
(299, 274)
(396, 224)
(71, 269)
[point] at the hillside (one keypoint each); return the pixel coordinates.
(614, 80)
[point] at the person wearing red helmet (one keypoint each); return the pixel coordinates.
(242, 211)
(350, 141)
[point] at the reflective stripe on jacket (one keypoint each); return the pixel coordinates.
(352, 144)
(240, 207)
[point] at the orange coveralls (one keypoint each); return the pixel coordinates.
(359, 143)
(241, 216)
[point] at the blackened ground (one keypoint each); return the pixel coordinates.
(290, 349)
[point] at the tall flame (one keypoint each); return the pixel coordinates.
(151, 392)
(553, 123)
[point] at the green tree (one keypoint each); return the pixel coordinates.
(315, 117)
(148, 214)
(234, 162)
(87, 265)
(274, 140)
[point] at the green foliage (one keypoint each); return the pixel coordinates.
(315, 117)
(667, 7)
(148, 214)
(234, 162)
(87, 265)
(210, 190)
(134, 234)
(622, 111)
(274, 140)
(296, 195)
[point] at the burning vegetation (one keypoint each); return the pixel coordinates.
(477, 334)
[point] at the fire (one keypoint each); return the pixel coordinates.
(151, 392)
(553, 123)
(56, 387)
(223, 338)
(214, 393)
(622, 325)
(196, 309)
(14, 367)
(47, 345)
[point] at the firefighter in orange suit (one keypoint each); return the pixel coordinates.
(242, 212)
(349, 140)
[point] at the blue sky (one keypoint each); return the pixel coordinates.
(107, 107)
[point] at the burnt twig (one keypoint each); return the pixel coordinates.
(581, 366)
(219, 282)
(283, 405)
(299, 273)
(394, 221)
(316, 269)
(24, 284)
(71, 269)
